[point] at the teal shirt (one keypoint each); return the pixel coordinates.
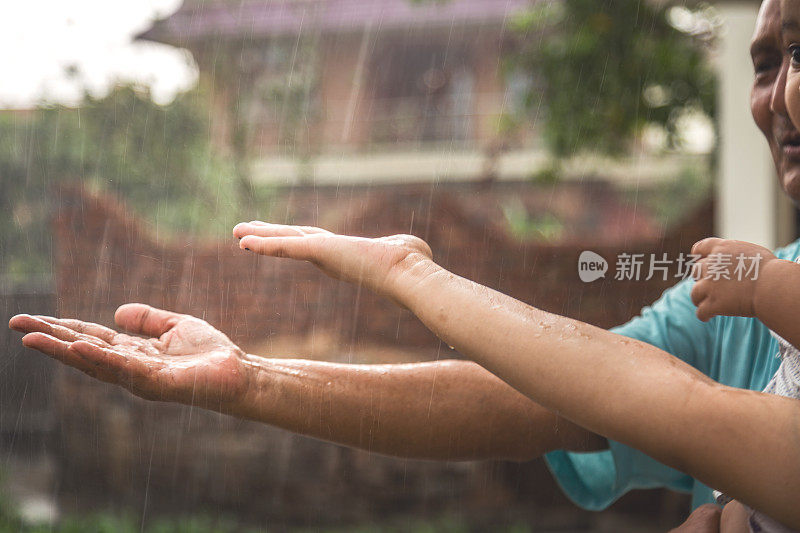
(734, 351)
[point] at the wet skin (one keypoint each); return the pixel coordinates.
(528, 361)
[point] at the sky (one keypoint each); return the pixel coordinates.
(56, 49)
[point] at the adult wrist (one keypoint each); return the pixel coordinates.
(246, 402)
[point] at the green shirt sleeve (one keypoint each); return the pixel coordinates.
(595, 480)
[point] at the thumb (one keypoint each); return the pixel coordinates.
(146, 320)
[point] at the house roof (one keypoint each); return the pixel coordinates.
(196, 21)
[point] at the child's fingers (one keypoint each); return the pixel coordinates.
(699, 269)
(705, 246)
(705, 300)
(699, 293)
(291, 247)
(305, 229)
(705, 311)
(266, 230)
(311, 230)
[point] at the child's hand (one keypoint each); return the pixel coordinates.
(727, 274)
(375, 263)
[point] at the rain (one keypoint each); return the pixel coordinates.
(271, 394)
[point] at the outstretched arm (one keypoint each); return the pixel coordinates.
(452, 410)
(742, 442)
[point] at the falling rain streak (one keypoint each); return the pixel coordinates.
(509, 135)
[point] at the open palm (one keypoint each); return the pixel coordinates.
(182, 358)
(360, 260)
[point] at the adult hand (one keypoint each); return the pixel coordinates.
(184, 359)
(371, 262)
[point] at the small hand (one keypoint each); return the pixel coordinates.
(371, 262)
(720, 288)
(185, 359)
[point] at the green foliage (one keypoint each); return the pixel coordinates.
(24, 242)
(158, 159)
(608, 67)
(551, 174)
(545, 227)
(669, 202)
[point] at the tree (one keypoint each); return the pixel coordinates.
(607, 68)
(158, 159)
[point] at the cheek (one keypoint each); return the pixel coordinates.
(793, 97)
(759, 107)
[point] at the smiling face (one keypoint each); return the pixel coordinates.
(767, 99)
(790, 30)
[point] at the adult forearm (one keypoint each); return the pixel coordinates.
(740, 441)
(451, 410)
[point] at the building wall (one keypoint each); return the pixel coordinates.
(344, 89)
(342, 107)
(489, 86)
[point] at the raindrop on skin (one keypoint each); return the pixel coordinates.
(568, 330)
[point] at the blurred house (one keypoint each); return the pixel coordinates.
(342, 77)
(386, 91)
